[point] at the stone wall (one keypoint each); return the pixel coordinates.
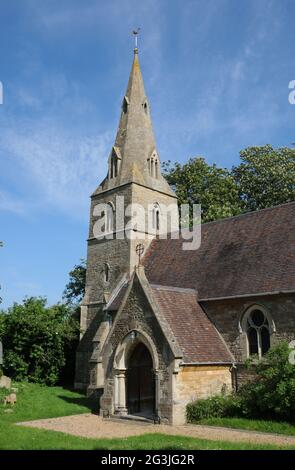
(119, 254)
(113, 251)
(227, 314)
(91, 318)
(147, 197)
(196, 382)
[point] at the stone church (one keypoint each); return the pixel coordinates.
(177, 325)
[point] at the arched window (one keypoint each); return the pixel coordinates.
(156, 169)
(153, 165)
(106, 272)
(109, 218)
(156, 217)
(258, 327)
(114, 162)
(125, 104)
(114, 166)
(149, 163)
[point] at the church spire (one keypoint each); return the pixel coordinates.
(134, 156)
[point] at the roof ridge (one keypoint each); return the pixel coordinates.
(173, 288)
(244, 214)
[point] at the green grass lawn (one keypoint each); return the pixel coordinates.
(252, 425)
(37, 402)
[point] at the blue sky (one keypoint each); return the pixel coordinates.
(216, 73)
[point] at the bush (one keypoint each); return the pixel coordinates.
(37, 340)
(217, 406)
(270, 396)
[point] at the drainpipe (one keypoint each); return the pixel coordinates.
(234, 375)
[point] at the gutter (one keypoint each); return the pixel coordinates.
(239, 296)
(205, 363)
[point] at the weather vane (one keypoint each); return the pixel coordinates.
(135, 32)
(139, 250)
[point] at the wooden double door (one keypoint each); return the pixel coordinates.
(140, 382)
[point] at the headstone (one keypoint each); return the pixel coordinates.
(10, 399)
(5, 382)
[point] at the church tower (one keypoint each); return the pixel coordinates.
(133, 183)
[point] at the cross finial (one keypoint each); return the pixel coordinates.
(139, 250)
(135, 33)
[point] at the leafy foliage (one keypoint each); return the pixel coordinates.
(37, 340)
(272, 393)
(197, 182)
(265, 176)
(269, 396)
(218, 406)
(75, 289)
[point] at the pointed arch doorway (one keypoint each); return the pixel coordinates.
(140, 382)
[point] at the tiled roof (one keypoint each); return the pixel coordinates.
(249, 254)
(197, 337)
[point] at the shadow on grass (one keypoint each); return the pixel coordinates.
(90, 403)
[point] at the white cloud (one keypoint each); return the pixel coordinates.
(58, 160)
(61, 168)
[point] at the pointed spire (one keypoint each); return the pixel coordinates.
(135, 136)
(134, 157)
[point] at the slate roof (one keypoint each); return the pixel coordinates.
(250, 254)
(196, 335)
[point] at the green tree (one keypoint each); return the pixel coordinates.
(37, 340)
(75, 288)
(197, 182)
(265, 177)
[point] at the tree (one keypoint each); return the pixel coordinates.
(271, 394)
(197, 182)
(37, 340)
(75, 288)
(265, 177)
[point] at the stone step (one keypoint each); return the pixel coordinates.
(132, 418)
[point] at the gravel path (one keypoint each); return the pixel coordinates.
(93, 426)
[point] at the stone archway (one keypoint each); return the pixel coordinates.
(134, 392)
(140, 382)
